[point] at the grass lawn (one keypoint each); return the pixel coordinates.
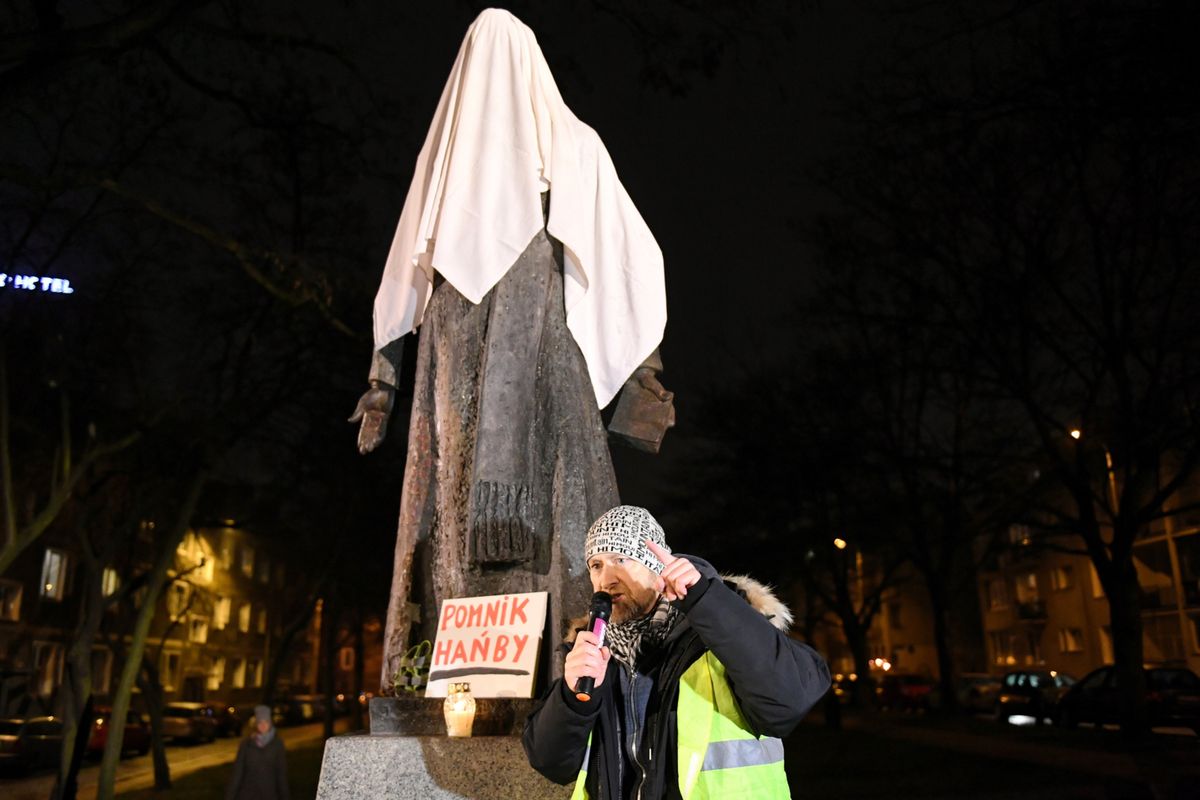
(304, 768)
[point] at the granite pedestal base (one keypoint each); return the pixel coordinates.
(398, 767)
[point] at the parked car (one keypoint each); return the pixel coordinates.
(843, 687)
(302, 709)
(231, 720)
(905, 692)
(977, 691)
(1031, 693)
(1172, 699)
(135, 739)
(13, 757)
(195, 722)
(26, 744)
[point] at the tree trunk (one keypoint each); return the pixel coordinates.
(360, 681)
(106, 785)
(942, 639)
(67, 783)
(1124, 602)
(856, 638)
(329, 621)
(77, 694)
(152, 691)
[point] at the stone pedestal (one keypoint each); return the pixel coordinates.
(398, 767)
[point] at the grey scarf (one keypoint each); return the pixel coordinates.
(264, 739)
(630, 640)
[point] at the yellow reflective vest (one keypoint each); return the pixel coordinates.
(719, 758)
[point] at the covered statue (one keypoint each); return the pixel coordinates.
(538, 290)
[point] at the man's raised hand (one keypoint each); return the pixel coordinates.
(678, 573)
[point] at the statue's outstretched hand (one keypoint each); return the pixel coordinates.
(373, 410)
(648, 380)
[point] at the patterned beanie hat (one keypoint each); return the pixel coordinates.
(624, 530)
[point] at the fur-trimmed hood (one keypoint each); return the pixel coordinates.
(759, 595)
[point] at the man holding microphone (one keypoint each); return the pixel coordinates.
(694, 685)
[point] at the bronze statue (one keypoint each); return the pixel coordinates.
(508, 460)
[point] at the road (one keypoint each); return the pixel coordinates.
(137, 772)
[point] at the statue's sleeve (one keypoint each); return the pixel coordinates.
(385, 363)
(653, 362)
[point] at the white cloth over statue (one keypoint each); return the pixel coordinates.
(500, 136)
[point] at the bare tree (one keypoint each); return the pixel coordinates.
(1028, 175)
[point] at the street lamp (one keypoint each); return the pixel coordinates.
(839, 543)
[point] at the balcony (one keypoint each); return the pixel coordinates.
(1031, 610)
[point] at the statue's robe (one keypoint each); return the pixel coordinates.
(508, 461)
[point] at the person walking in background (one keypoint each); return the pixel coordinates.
(260, 772)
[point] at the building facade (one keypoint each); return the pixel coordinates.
(217, 626)
(1045, 607)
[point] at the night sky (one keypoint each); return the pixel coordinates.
(717, 120)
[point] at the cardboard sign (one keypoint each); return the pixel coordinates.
(490, 642)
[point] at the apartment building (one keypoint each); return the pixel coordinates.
(217, 625)
(1042, 606)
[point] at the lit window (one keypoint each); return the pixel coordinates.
(54, 574)
(254, 672)
(247, 561)
(169, 669)
(110, 581)
(1062, 577)
(179, 595)
(244, 618)
(1002, 648)
(10, 601)
(196, 558)
(237, 677)
(1027, 588)
(1097, 587)
(1070, 640)
(221, 610)
(264, 570)
(198, 630)
(261, 622)
(346, 659)
(227, 548)
(216, 673)
(997, 594)
(47, 667)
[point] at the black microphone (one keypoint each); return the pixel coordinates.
(597, 624)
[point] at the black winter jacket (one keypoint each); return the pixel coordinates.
(775, 678)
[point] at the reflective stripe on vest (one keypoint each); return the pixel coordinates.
(718, 755)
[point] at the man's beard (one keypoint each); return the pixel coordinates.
(626, 609)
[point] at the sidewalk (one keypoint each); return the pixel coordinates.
(899, 756)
